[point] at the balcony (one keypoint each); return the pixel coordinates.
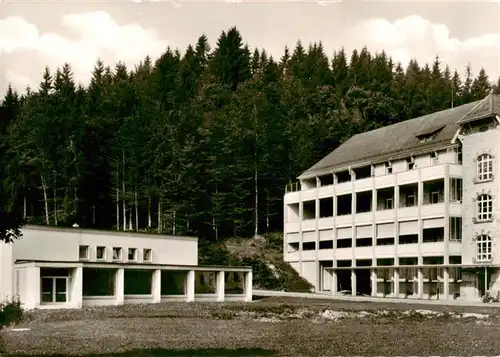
(326, 254)
(309, 255)
(308, 225)
(385, 251)
(292, 197)
(408, 213)
(345, 220)
(409, 250)
(363, 252)
(433, 210)
(433, 249)
(325, 223)
(292, 256)
(343, 254)
(431, 173)
(291, 227)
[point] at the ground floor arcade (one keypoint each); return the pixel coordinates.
(418, 282)
(73, 285)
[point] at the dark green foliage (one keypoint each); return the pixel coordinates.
(10, 312)
(200, 143)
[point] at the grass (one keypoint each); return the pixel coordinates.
(268, 327)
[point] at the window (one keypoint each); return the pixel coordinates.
(410, 200)
(146, 255)
(101, 253)
(483, 246)
(132, 254)
(411, 163)
(484, 167)
(84, 252)
(117, 253)
(388, 168)
(455, 190)
(435, 158)
(484, 208)
(456, 228)
(434, 197)
(458, 154)
(389, 203)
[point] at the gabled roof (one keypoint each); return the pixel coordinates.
(485, 108)
(404, 138)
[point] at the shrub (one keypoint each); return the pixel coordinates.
(11, 312)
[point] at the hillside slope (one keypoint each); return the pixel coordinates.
(264, 254)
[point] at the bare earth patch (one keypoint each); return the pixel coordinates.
(268, 327)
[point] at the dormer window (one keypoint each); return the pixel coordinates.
(429, 132)
(435, 157)
(388, 167)
(411, 163)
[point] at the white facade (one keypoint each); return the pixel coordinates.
(71, 267)
(423, 226)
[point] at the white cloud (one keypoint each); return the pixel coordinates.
(96, 35)
(415, 37)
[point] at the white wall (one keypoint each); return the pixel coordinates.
(310, 273)
(6, 272)
(473, 146)
(62, 244)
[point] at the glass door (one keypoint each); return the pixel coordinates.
(61, 289)
(54, 289)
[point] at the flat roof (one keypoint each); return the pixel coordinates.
(130, 265)
(37, 227)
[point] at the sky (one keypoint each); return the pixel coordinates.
(35, 34)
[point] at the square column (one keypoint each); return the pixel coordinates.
(395, 283)
(446, 283)
(190, 286)
(248, 286)
(32, 292)
(156, 288)
(373, 278)
(220, 286)
(120, 286)
(420, 283)
(334, 283)
(76, 293)
(353, 282)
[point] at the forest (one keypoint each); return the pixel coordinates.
(201, 142)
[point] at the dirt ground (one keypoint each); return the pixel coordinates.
(267, 327)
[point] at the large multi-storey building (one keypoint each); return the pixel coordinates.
(410, 210)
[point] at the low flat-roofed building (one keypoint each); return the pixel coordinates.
(73, 267)
(409, 210)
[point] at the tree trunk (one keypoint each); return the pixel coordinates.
(149, 212)
(117, 201)
(123, 193)
(46, 203)
(256, 173)
(256, 231)
(55, 200)
(159, 216)
(93, 211)
(136, 211)
(267, 210)
(24, 206)
(130, 225)
(173, 228)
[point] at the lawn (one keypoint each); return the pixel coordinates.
(267, 327)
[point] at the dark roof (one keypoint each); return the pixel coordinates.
(402, 139)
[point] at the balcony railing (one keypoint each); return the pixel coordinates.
(292, 187)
